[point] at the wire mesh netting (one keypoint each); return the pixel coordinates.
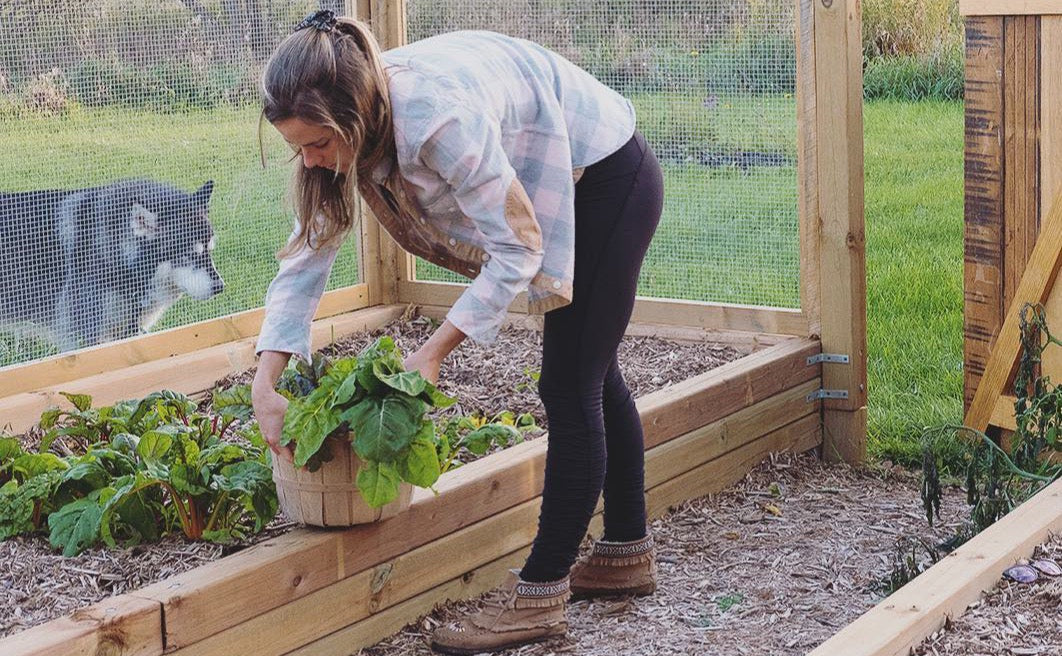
(130, 180)
(713, 83)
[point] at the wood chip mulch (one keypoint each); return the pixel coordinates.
(1012, 618)
(738, 577)
(37, 584)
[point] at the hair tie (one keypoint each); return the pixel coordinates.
(323, 21)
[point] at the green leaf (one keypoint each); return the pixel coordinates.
(34, 464)
(186, 480)
(421, 465)
(76, 526)
(81, 401)
(480, 440)
(346, 390)
(308, 426)
(153, 446)
(234, 402)
(9, 449)
(49, 417)
(384, 427)
(378, 483)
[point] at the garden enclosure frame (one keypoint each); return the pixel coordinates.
(803, 385)
(1013, 244)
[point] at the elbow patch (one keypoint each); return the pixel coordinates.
(520, 215)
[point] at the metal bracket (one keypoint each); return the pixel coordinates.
(827, 394)
(830, 358)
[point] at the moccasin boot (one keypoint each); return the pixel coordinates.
(616, 568)
(517, 613)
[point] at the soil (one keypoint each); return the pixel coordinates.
(774, 565)
(37, 584)
(1013, 618)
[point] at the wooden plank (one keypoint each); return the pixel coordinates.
(1013, 97)
(1050, 96)
(119, 626)
(1035, 287)
(1009, 7)
(744, 342)
(712, 477)
(233, 590)
(706, 316)
(983, 199)
(919, 608)
(156, 346)
(190, 373)
(842, 283)
(807, 167)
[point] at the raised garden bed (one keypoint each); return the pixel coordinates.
(739, 403)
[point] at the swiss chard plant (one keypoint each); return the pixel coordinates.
(151, 467)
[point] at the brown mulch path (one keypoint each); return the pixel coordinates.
(37, 584)
(1013, 618)
(735, 578)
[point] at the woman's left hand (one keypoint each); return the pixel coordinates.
(425, 363)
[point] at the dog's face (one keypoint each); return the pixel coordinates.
(176, 229)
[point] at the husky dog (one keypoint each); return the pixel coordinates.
(92, 265)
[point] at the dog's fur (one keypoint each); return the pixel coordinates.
(93, 265)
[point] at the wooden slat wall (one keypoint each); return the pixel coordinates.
(1002, 175)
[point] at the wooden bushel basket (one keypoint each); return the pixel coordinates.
(330, 496)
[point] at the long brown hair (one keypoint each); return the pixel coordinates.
(334, 79)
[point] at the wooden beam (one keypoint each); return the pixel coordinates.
(119, 626)
(983, 197)
(1009, 7)
(296, 564)
(1035, 287)
(807, 168)
(157, 346)
(905, 618)
(842, 283)
(1050, 97)
(190, 373)
(704, 316)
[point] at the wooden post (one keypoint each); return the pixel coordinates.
(383, 263)
(842, 280)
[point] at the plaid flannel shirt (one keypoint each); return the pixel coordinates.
(491, 134)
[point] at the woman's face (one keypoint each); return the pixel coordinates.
(318, 145)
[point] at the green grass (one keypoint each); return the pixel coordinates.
(914, 225)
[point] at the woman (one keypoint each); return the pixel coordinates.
(502, 161)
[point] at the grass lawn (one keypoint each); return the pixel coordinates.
(914, 225)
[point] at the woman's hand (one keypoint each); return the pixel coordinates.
(428, 358)
(269, 406)
(269, 409)
(424, 362)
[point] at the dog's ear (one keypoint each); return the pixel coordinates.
(143, 222)
(202, 197)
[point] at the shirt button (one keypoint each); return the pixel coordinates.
(486, 256)
(453, 242)
(556, 284)
(423, 221)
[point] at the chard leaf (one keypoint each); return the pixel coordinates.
(308, 426)
(346, 390)
(89, 470)
(49, 417)
(378, 483)
(433, 397)
(81, 401)
(35, 464)
(480, 440)
(76, 526)
(226, 535)
(409, 382)
(153, 446)
(186, 480)
(421, 463)
(383, 427)
(234, 402)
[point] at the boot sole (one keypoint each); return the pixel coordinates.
(578, 594)
(470, 651)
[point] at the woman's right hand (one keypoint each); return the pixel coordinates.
(269, 409)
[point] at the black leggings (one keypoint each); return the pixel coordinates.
(595, 434)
